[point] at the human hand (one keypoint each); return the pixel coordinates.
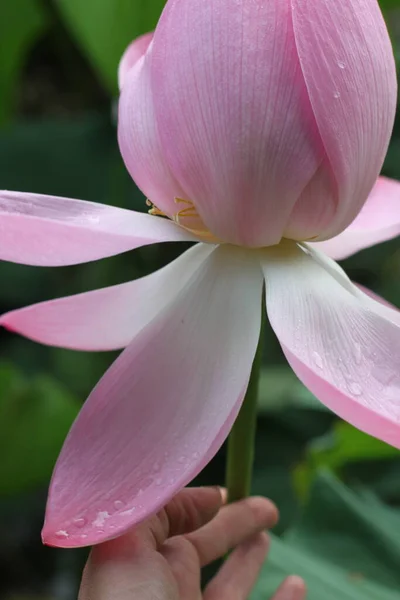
(161, 559)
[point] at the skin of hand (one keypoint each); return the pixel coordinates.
(161, 559)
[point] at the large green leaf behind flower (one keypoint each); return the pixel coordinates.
(104, 28)
(346, 546)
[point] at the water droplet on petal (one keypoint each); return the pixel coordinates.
(62, 533)
(318, 360)
(101, 518)
(118, 504)
(355, 389)
(79, 522)
(358, 354)
(336, 95)
(127, 513)
(341, 64)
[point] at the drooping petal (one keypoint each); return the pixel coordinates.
(378, 221)
(348, 66)
(163, 409)
(134, 51)
(346, 352)
(233, 114)
(376, 297)
(109, 318)
(51, 231)
(139, 139)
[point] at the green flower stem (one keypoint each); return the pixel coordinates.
(242, 437)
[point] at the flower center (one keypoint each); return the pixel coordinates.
(186, 217)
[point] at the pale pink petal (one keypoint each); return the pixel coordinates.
(378, 221)
(376, 297)
(364, 295)
(106, 319)
(52, 231)
(163, 409)
(139, 139)
(348, 66)
(233, 114)
(134, 51)
(346, 352)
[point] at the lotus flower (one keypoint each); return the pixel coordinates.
(257, 130)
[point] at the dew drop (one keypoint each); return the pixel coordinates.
(318, 360)
(336, 95)
(62, 533)
(128, 512)
(341, 64)
(355, 389)
(358, 354)
(93, 218)
(118, 504)
(101, 518)
(79, 522)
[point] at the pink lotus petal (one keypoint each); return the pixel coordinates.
(233, 114)
(134, 51)
(163, 409)
(348, 66)
(52, 231)
(365, 296)
(343, 350)
(109, 318)
(376, 297)
(378, 221)
(139, 140)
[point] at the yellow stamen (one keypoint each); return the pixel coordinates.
(189, 212)
(156, 212)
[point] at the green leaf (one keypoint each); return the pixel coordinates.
(22, 22)
(346, 546)
(35, 417)
(345, 444)
(104, 28)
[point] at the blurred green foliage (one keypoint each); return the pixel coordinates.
(35, 416)
(338, 490)
(22, 22)
(104, 28)
(345, 545)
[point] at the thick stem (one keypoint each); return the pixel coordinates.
(242, 437)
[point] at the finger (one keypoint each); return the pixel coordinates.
(239, 573)
(293, 588)
(108, 577)
(189, 510)
(233, 525)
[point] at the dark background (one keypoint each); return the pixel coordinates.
(338, 490)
